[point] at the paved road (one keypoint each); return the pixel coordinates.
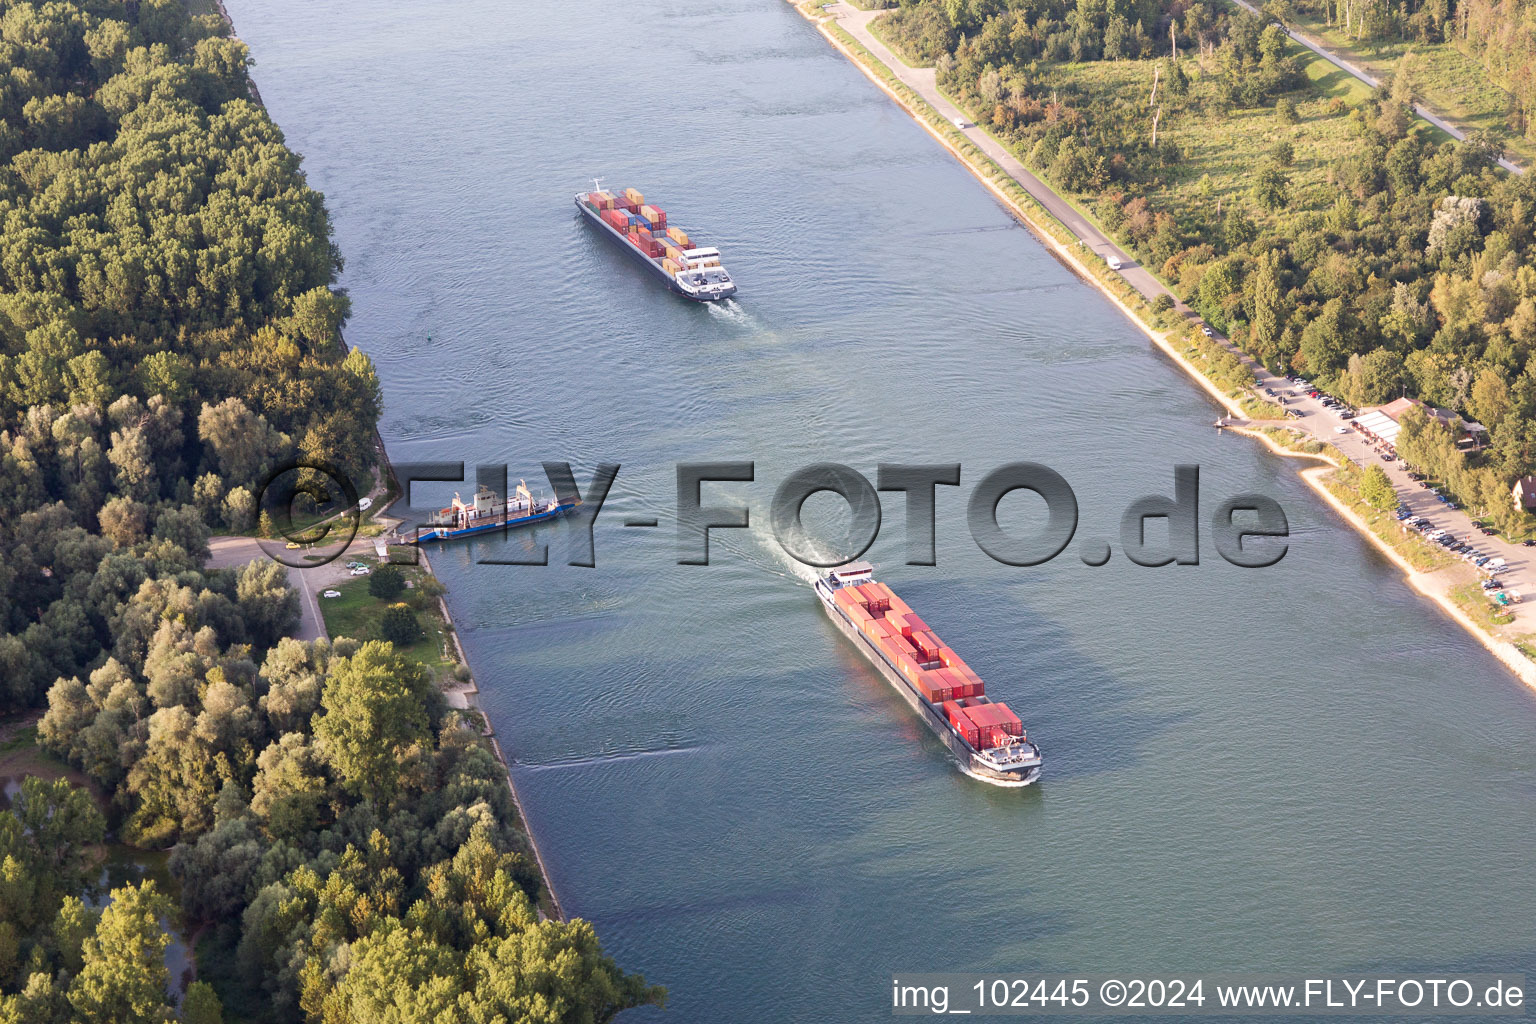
(233, 552)
(1370, 80)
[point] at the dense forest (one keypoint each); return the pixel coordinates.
(168, 332)
(1404, 266)
(167, 329)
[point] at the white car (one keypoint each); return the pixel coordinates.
(1115, 262)
(365, 504)
(331, 593)
(1341, 430)
(360, 571)
(963, 124)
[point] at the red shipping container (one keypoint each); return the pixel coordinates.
(845, 597)
(927, 645)
(971, 734)
(954, 661)
(998, 715)
(899, 622)
(957, 682)
(908, 667)
(991, 736)
(875, 629)
(953, 712)
(875, 599)
(935, 687)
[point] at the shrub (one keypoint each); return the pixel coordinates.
(386, 583)
(399, 626)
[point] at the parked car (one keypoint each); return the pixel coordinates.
(1529, 543)
(331, 593)
(361, 572)
(365, 504)
(1205, 329)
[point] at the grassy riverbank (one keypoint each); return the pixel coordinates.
(358, 614)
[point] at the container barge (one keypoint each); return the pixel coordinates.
(984, 735)
(691, 270)
(488, 512)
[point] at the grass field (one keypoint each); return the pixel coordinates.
(356, 614)
(1228, 146)
(1447, 81)
(1472, 600)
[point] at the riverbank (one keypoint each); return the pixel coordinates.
(1437, 585)
(465, 695)
(467, 691)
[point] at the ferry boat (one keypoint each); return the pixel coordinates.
(693, 271)
(985, 736)
(488, 512)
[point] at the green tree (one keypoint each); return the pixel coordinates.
(1269, 312)
(1271, 189)
(386, 583)
(1373, 378)
(1376, 487)
(201, 1005)
(1490, 398)
(375, 711)
(124, 978)
(398, 625)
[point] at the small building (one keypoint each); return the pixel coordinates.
(1525, 494)
(1384, 422)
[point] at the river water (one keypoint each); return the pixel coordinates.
(1301, 767)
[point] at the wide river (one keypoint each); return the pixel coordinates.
(1304, 767)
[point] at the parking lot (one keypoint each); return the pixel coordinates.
(1431, 512)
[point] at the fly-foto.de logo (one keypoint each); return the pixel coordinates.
(1247, 530)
